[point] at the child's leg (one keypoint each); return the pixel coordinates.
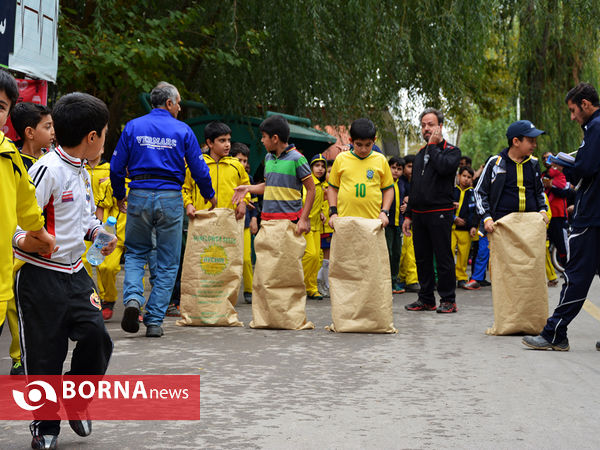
(248, 276)
(463, 240)
(483, 256)
(13, 324)
(408, 264)
(310, 263)
(550, 273)
(107, 274)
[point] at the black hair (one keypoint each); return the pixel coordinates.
(162, 92)
(363, 128)
(239, 148)
(437, 112)
(466, 168)
(520, 138)
(396, 160)
(27, 114)
(8, 84)
(213, 130)
(583, 91)
(330, 162)
(409, 159)
(276, 125)
(76, 115)
(467, 159)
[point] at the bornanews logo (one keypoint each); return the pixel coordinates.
(110, 397)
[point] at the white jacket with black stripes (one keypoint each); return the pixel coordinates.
(63, 191)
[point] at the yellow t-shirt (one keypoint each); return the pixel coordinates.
(359, 182)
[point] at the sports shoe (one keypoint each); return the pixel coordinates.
(248, 297)
(397, 288)
(414, 287)
(472, 285)
(81, 427)
(461, 284)
(447, 307)
(17, 369)
(154, 331)
(484, 283)
(173, 311)
(419, 306)
(316, 296)
(539, 343)
(598, 345)
(44, 441)
(130, 322)
(107, 310)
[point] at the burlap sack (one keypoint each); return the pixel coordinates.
(519, 289)
(278, 291)
(212, 269)
(359, 277)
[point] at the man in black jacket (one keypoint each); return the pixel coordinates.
(430, 213)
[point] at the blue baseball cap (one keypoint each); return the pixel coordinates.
(522, 128)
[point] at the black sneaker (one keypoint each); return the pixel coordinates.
(154, 331)
(447, 307)
(539, 343)
(248, 297)
(17, 369)
(598, 345)
(316, 296)
(44, 441)
(414, 287)
(484, 283)
(81, 427)
(130, 322)
(419, 306)
(461, 283)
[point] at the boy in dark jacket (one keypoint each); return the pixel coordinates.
(465, 223)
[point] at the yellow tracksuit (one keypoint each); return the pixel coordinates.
(312, 253)
(408, 263)
(550, 272)
(97, 175)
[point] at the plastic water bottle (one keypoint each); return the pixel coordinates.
(104, 236)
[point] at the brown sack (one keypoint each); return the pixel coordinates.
(212, 269)
(359, 277)
(278, 291)
(518, 273)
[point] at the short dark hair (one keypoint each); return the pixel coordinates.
(8, 84)
(363, 128)
(467, 159)
(276, 125)
(239, 148)
(75, 115)
(466, 168)
(583, 91)
(162, 92)
(437, 112)
(396, 160)
(27, 114)
(520, 138)
(409, 159)
(213, 130)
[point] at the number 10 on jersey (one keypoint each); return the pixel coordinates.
(361, 189)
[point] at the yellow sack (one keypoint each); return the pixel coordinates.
(212, 269)
(359, 277)
(278, 291)
(517, 268)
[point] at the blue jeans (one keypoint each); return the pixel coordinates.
(481, 262)
(160, 211)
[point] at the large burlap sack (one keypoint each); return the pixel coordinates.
(278, 291)
(212, 269)
(360, 284)
(517, 267)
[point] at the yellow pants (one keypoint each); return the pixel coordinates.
(461, 244)
(550, 273)
(8, 311)
(408, 264)
(310, 261)
(107, 275)
(248, 275)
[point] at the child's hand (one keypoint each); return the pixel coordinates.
(403, 208)
(190, 211)
(331, 221)
(239, 193)
(240, 210)
(254, 225)
(213, 203)
(323, 218)
(385, 220)
(473, 232)
(460, 221)
(545, 217)
(110, 247)
(455, 204)
(122, 204)
(302, 227)
(489, 226)
(406, 225)
(39, 241)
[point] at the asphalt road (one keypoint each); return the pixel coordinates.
(439, 383)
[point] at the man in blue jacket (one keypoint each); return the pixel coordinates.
(152, 152)
(583, 255)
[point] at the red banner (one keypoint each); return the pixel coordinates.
(34, 91)
(109, 397)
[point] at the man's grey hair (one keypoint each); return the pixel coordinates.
(163, 92)
(437, 112)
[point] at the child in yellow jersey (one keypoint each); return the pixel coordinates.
(393, 232)
(464, 228)
(226, 173)
(358, 178)
(242, 153)
(312, 253)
